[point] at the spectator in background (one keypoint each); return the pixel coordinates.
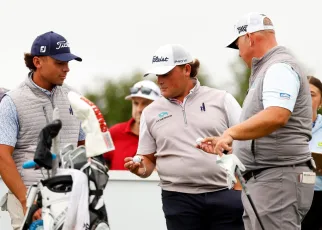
(2, 92)
(312, 219)
(125, 135)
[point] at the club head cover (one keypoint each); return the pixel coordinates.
(98, 139)
(43, 156)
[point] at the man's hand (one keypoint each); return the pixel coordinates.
(37, 215)
(217, 145)
(134, 167)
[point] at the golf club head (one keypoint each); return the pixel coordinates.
(43, 156)
(75, 158)
(63, 154)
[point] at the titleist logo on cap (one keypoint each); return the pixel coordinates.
(62, 44)
(159, 59)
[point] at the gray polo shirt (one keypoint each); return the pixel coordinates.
(169, 129)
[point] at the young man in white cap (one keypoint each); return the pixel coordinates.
(195, 192)
(276, 122)
(24, 111)
(125, 135)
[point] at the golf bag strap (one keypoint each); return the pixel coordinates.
(96, 193)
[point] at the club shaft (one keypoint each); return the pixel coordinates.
(243, 183)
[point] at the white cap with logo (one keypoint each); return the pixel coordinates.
(145, 89)
(167, 57)
(249, 23)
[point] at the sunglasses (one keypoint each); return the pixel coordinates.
(144, 90)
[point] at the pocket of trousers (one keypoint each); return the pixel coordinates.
(305, 194)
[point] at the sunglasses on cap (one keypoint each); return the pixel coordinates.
(144, 90)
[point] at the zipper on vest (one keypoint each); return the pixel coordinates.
(45, 113)
(253, 148)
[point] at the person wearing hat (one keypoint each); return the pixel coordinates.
(125, 135)
(272, 140)
(195, 193)
(24, 111)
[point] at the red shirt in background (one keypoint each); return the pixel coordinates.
(125, 142)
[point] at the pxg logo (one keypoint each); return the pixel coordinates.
(242, 29)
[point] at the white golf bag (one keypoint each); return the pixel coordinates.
(72, 198)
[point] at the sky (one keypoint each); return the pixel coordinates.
(116, 38)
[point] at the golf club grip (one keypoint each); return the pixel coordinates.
(32, 164)
(242, 180)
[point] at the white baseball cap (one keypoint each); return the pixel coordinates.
(167, 57)
(249, 23)
(144, 89)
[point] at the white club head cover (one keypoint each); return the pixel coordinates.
(98, 139)
(229, 162)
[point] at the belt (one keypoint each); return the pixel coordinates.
(254, 173)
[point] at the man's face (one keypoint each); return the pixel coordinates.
(173, 83)
(245, 49)
(53, 71)
(138, 104)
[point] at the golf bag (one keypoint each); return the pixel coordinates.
(78, 177)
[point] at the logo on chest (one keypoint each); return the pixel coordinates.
(163, 115)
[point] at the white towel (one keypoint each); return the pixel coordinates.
(77, 217)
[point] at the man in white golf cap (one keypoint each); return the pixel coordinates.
(276, 122)
(125, 135)
(195, 192)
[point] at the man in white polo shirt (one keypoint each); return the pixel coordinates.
(276, 122)
(195, 192)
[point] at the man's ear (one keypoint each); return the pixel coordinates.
(187, 69)
(250, 39)
(37, 62)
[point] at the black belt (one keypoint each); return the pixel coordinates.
(254, 173)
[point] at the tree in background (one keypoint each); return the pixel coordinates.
(240, 80)
(111, 99)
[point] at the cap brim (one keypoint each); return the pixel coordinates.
(149, 97)
(233, 45)
(66, 57)
(159, 70)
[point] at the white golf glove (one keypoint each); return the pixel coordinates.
(229, 162)
(98, 139)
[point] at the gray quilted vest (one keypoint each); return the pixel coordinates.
(289, 144)
(35, 110)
